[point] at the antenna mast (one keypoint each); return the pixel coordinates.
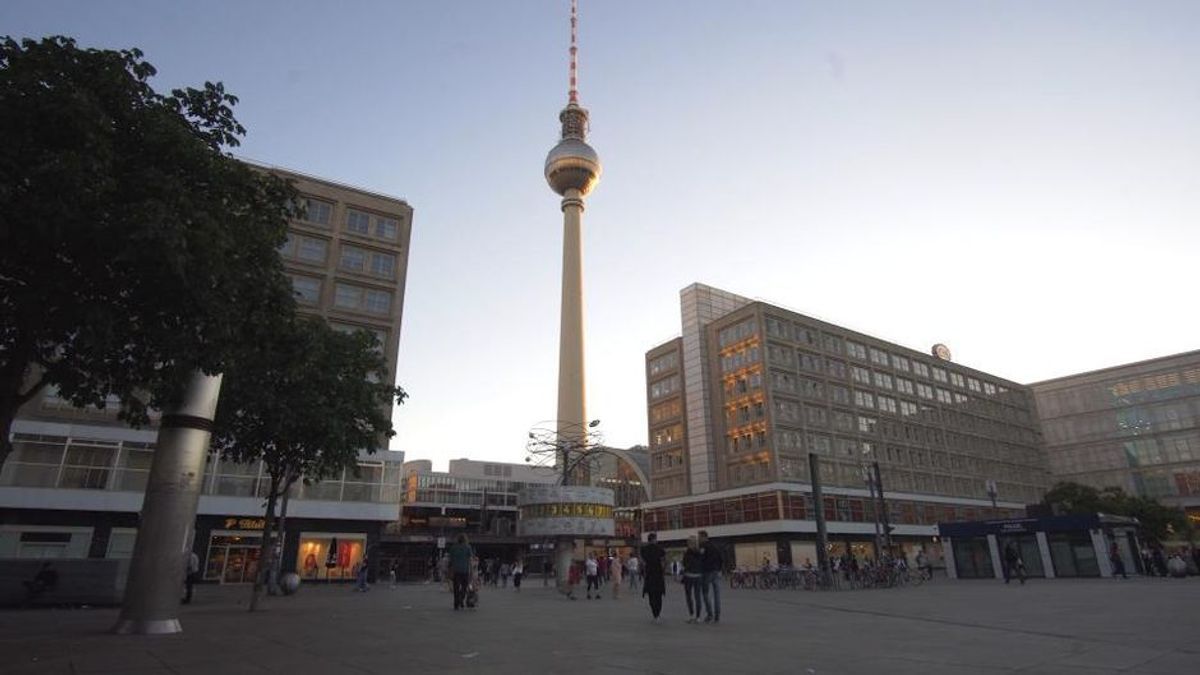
(574, 93)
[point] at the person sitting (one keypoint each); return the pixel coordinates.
(45, 580)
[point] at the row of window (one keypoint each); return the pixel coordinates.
(353, 259)
(664, 363)
(346, 296)
(319, 212)
(666, 411)
(664, 387)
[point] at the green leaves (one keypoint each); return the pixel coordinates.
(300, 396)
(1160, 522)
(133, 250)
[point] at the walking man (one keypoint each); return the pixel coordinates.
(193, 573)
(711, 564)
(653, 585)
(460, 567)
(593, 571)
(1012, 563)
(1118, 565)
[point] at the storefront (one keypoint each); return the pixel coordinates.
(1055, 546)
(317, 549)
(330, 556)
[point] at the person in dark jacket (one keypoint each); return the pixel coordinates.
(1118, 565)
(654, 585)
(1013, 563)
(711, 563)
(693, 575)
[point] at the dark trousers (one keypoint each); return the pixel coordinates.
(461, 579)
(189, 584)
(692, 591)
(593, 582)
(1014, 568)
(655, 603)
(517, 580)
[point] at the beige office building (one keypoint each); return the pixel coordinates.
(73, 486)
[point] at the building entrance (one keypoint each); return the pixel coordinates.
(233, 557)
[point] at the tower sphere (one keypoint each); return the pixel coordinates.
(572, 164)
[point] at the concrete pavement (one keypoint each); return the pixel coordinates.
(1059, 626)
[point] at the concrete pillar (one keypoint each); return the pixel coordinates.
(572, 413)
(997, 561)
(948, 556)
(1044, 550)
(1100, 544)
(164, 539)
(564, 550)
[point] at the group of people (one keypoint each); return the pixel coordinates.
(701, 574)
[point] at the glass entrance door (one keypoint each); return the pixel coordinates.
(241, 564)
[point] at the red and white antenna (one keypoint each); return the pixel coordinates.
(574, 93)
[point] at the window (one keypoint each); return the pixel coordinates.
(863, 399)
(736, 333)
(833, 344)
(920, 369)
(879, 357)
(924, 391)
(816, 417)
(843, 421)
(378, 302)
(358, 222)
(866, 425)
(664, 363)
(312, 249)
(288, 248)
(779, 328)
(861, 375)
(957, 380)
(989, 388)
(307, 289)
(387, 228)
(908, 408)
(883, 380)
(664, 387)
(944, 396)
(899, 362)
(347, 297)
(939, 374)
(904, 386)
(316, 211)
(856, 350)
(383, 265)
(836, 368)
(839, 394)
(353, 259)
(887, 404)
(810, 362)
(973, 384)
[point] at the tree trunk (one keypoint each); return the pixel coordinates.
(6, 447)
(280, 534)
(266, 550)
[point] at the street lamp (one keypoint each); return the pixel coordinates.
(992, 492)
(868, 476)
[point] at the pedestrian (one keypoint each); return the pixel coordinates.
(693, 578)
(616, 569)
(1118, 565)
(518, 571)
(546, 569)
(505, 573)
(360, 580)
(1160, 560)
(394, 573)
(653, 584)
(460, 556)
(1013, 563)
(191, 575)
(593, 572)
(633, 566)
(602, 564)
(711, 563)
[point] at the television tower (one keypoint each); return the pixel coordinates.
(572, 170)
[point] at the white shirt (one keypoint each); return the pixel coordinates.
(633, 564)
(592, 569)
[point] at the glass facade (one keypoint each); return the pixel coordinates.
(1136, 427)
(43, 461)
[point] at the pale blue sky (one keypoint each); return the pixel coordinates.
(1019, 180)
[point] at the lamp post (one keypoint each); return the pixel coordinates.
(992, 492)
(868, 476)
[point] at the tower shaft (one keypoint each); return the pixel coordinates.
(572, 397)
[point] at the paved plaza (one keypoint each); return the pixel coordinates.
(1060, 626)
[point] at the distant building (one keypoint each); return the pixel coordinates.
(1134, 426)
(73, 486)
(737, 403)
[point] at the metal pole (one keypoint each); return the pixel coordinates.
(160, 553)
(874, 506)
(814, 472)
(883, 514)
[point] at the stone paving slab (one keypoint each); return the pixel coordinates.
(1060, 626)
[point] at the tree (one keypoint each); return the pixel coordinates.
(1158, 521)
(304, 399)
(133, 249)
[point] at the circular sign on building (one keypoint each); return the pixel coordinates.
(566, 511)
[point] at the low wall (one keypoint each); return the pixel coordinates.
(83, 581)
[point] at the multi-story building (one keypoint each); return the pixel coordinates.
(480, 499)
(739, 401)
(1135, 426)
(73, 485)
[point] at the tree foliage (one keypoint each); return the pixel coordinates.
(1160, 522)
(306, 400)
(133, 249)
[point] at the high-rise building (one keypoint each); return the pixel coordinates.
(1134, 426)
(73, 485)
(740, 400)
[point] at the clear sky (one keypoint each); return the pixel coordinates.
(1019, 180)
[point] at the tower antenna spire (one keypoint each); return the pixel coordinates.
(573, 96)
